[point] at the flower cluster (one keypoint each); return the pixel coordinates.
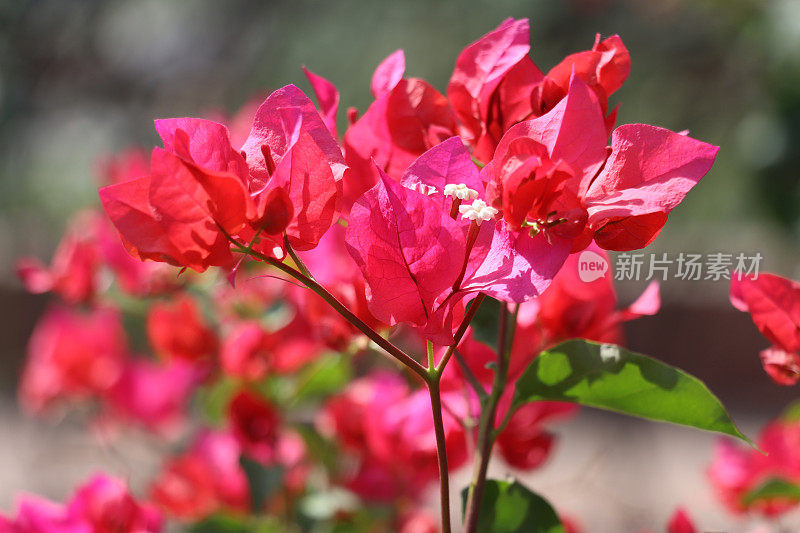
(485, 190)
(101, 505)
(736, 473)
(429, 205)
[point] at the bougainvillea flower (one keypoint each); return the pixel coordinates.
(255, 424)
(290, 147)
(604, 69)
(220, 452)
(495, 84)
(774, 305)
(107, 506)
(176, 330)
(73, 355)
(417, 521)
(208, 185)
(525, 443)
(132, 276)
(408, 248)
(89, 247)
(544, 175)
(185, 490)
(421, 259)
(388, 74)
(34, 514)
(407, 118)
(285, 179)
(649, 172)
(681, 522)
(492, 85)
(203, 480)
(154, 395)
(185, 236)
(72, 273)
(388, 427)
(344, 415)
(250, 352)
(327, 98)
(101, 505)
(735, 470)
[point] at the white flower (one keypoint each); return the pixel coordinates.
(477, 211)
(609, 353)
(460, 191)
(422, 188)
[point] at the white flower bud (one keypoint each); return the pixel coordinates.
(422, 188)
(477, 211)
(460, 191)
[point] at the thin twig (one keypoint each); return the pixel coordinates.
(469, 375)
(348, 315)
(462, 329)
(301, 266)
(486, 426)
(441, 453)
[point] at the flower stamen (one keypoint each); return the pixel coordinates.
(460, 191)
(477, 211)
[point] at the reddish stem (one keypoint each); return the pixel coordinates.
(348, 315)
(441, 453)
(486, 434)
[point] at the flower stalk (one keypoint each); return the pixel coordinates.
(486, 424)
(431, 375)
(348, 315)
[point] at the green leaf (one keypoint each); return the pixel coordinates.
(230, 524)
(213, 401)
(772, 489)
(320, 448)
(219, 524)
(264, 481)
(612, 378)
(509, 507)
(325, 376)
(486, 322)
(791, 413)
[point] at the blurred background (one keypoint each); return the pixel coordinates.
(80, 80)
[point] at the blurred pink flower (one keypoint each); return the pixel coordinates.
(205, 479)
(176, 330)
(255, 423)
(73, 355)
(72, 273)
(101, 505)
(154, 394)
(735, 470)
